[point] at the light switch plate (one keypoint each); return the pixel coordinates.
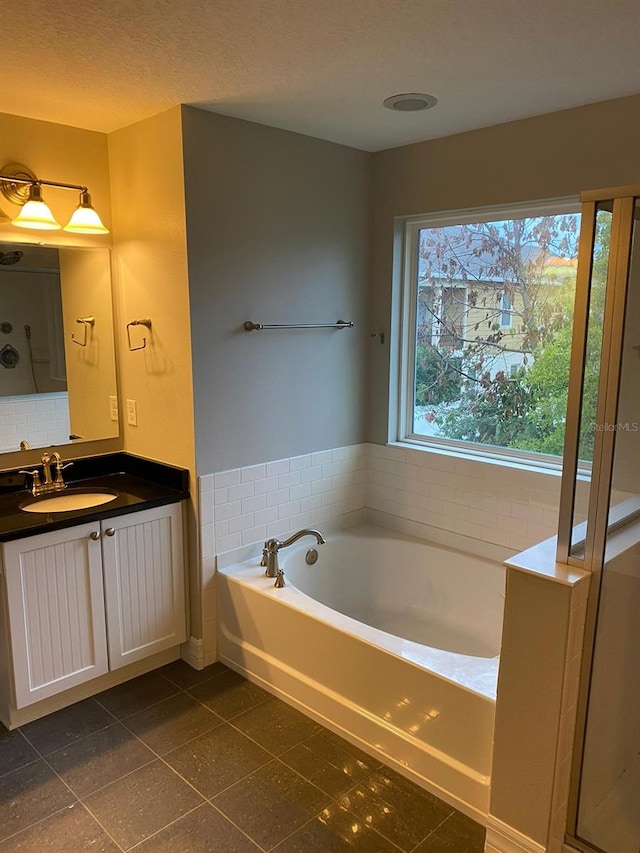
(132, 413)
(113, 408)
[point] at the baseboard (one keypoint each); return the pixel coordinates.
(192, 652)
(502, 838)
(210, 657)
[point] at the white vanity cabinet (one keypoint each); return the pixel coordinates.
(143, 583)
(55, 611)
(91, 598)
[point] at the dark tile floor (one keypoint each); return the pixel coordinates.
(180, 761)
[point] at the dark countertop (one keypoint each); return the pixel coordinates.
(139, 483)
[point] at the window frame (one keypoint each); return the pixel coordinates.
(404, 331)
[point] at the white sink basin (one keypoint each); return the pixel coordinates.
(67, 501)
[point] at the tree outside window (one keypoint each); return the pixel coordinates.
(494, 314)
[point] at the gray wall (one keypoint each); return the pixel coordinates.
(549, 156)
(277, 232)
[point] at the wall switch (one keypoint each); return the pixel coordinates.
(113, 408)
(132, 413)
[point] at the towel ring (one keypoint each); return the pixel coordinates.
(146, 322)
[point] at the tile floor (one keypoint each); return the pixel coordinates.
(179, 761)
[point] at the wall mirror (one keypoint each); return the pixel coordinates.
(57, 352)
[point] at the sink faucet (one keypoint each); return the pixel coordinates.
(47, 460)
(48, 483)
(272, 546)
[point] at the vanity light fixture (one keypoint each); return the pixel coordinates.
(20, 186)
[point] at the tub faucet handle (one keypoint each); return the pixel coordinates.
(279, 579)
(265, 554)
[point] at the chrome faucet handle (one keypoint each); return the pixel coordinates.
(279, 579)
(265, 554)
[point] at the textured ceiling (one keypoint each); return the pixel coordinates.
(319, 67)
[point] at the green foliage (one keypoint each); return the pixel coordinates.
(438, 378)
(492, 411)
(526, 411)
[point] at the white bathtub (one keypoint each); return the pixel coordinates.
(390, 641)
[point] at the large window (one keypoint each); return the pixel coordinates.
(487, 328)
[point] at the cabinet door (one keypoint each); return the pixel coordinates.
(56, 611)
(144, 583)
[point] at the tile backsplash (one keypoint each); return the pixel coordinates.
(250, 504)
(504, 505)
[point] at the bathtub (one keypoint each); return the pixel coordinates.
(388, 640)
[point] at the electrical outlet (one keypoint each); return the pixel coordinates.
(113, 408)
(132, 413)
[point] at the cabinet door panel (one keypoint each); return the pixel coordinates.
(56, 612)
(144, 583)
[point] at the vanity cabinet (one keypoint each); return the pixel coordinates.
(92, 598)
(55, 610)
(143, 584)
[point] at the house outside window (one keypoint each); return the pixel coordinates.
(487, 328)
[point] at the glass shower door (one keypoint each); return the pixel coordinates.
(607, 785)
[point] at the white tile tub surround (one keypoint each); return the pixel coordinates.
(497, 504)
(243, 507)
(248, 505)
(505, 505)
(515, 507)
(40, 419)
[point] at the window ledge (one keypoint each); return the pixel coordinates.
(553, 469)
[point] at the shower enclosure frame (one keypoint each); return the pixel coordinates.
(589, 552)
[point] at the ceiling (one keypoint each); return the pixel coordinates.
(318, 67)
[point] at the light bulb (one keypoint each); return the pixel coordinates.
(35, 213)
(84, 219)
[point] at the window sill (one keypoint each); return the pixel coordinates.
(488, 457)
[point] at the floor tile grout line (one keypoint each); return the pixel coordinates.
(191, 740)
(435, 829)
(238, 729)
(73, 743)
(207, 800)
(84, 805)
(197, 684)
(226, 788)
(335, 802)
(83, 797)
(147, 764)
(37, 822)
(233, 716)
(162, 829)
(38, 757)
(146, 707)
(233, 823)
(309, 782)
(101, 825)
(77, 798)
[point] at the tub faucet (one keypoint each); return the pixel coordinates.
(272, 547)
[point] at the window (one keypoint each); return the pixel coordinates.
(487, 326)
(505, 311)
